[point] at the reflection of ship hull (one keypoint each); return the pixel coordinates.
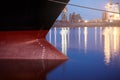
(23, 27)
(27, 69)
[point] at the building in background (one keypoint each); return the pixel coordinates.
(104, 16)
(73, 17)
(109, 16)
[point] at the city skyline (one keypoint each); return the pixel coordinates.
(88, 14)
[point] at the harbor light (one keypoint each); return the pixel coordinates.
(85, 21)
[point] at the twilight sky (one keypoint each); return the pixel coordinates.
(87, 14)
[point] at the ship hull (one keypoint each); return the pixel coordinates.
(29, 15)
(23, 27)
(27, 45)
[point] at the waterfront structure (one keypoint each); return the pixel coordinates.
(64, 14)
(104, 16)
(113, 15)
(73, 17)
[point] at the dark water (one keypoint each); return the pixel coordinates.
(26, 69)
(94, 53)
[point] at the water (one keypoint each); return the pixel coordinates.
(93, 52)
(26, 69)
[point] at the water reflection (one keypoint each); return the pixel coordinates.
(94, 53)
(100, 36)
(79, 33)
(50, 36)
(111, 42)
(26, 69)
(55, 34)
(85, 38)
(64, 32)
(105, 39)
(95, 36)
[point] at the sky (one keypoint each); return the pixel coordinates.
(87, 14)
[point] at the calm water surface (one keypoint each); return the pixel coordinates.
(94, 53)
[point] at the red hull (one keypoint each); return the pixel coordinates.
(27, 45)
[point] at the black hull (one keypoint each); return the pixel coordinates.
(29, 15)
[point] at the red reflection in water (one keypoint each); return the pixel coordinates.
(26, 69)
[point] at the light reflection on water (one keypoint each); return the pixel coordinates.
(111, 43)
(96, 47)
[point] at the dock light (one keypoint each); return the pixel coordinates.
(86, 21)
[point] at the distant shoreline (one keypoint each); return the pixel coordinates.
(59, 24)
